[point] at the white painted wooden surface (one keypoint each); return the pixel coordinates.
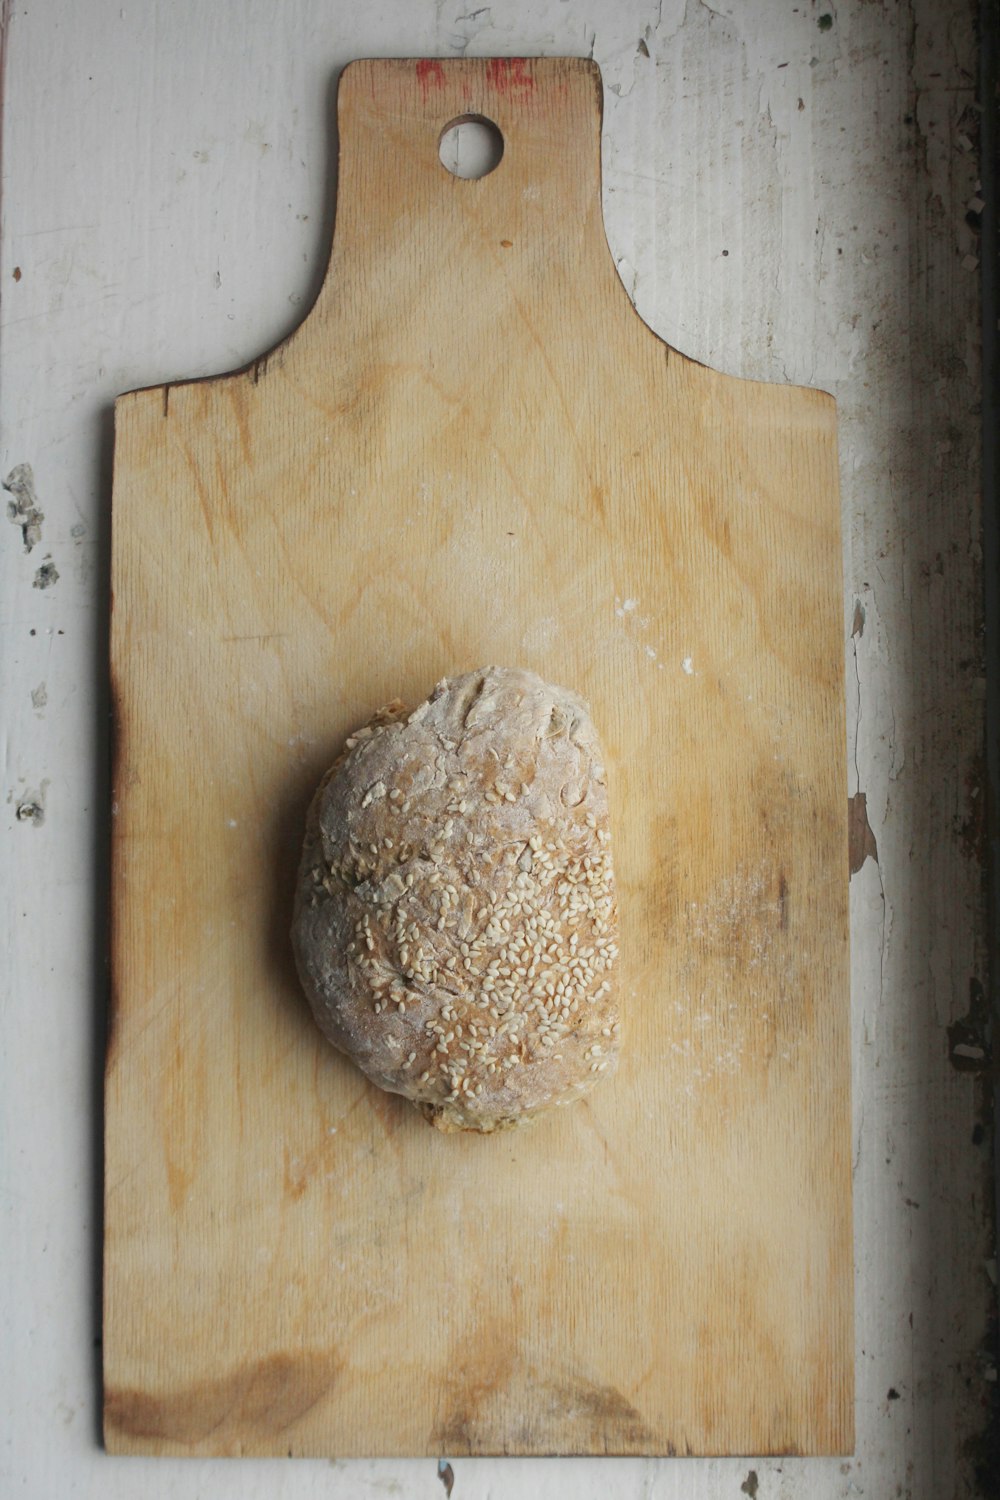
(785, 196)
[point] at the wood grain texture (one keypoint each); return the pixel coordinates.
(443, 467)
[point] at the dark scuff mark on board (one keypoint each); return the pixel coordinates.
(46, 575)
(23, 510)
(750, 1484)
(860, 839)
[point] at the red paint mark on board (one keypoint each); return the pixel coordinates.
(510, 75)
(430, 75)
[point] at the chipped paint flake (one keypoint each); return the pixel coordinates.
(446, 1474)
(860, 838)
(23, 510)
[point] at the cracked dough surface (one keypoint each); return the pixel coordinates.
(455, 921)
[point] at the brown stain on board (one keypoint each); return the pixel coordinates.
(606, 1419)
(487, 1372)
(269, 1394)
(481, 1368)
(295, 1176)
(594, 1418)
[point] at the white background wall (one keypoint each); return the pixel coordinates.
(786, 195)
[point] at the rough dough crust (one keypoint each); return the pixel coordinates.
(455, 922)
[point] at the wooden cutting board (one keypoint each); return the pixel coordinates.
(474, 451)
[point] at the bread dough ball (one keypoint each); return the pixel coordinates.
(456, 928)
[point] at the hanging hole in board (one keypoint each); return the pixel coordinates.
(470, 147)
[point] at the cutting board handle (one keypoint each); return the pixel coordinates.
(533, 224)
